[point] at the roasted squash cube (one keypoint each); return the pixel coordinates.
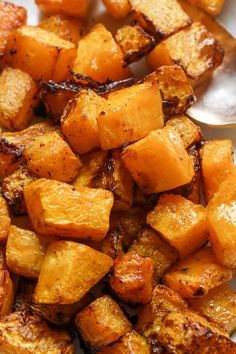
(21, 332)
(64, 257)
(216, 164)
(159, 162)
(59, 209)
(5, 221)
(17, 98)
(130, 114)
(134, 42)
(222, 223)
(132, 278)
(25, 252)
(7, 292)
(36, 48)
(212, 7)
(194, 49)
(49, 156)
(150, 244)
(76, 8)
(130, 343)
(118, 9)
(219, 305)
(162, 19)
(102, 322)
(79, 121)
(94, 58)
(180, 222)
(198, 273)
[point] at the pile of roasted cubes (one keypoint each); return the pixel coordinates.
(103, 231)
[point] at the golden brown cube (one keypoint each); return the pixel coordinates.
(134, 42)
(49, 156)
(212, 7)
(23, 333)
(112, 244)
(76, 8)
(162, 19)
(7, 292)
(180, 222)
(219, 305)
(17, 98)
(80, 267)
(118, 9)
(79, 121)
(194, 49)
(25, 252)
(216, 164)
(150, 244)
(5, 221)
(130, 114)
(99, 47)
(159, 162)
(198, 273)
(132, 278)
(59, 209)
(102, 322)
(36, 48)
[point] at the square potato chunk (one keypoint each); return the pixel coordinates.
(23, 333)
(102, 322)
(160, 19)
(118, 9)
(77, 8)
(7, 292)
(25, 252)
(5, 221)
(17, 99)
(129, 115)
(68, 272)
(198, 273)
(49, 156)
(212, 7)
(159, 162)
(194, 49)
(59, 209)
(180, 222)
(35, 48)
(96, 47)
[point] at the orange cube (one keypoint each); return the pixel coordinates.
(159, 162)
(76, 8)
(5, 221)
(100, 57)
(118, 9)
(212, 7)
(130, 114)
(180, 222)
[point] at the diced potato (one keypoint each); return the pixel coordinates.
(67, 28)
(79, 121)
(134, 42)
(132, 278)
(10, 158)
(94, 58)
(198, 273)
(59, 209)
(212, 7)
(25, 252)
(80, 267)
(11, 18)
(5, 221)
(130, 114)
(102, 322)
(216, 163)
(49, 156)
(222, 222)
(194, 49)
(106, 170)
(112, 244)
(150, 244)
(12, 188)
(180, 222)
(162, 20)
(219, 305)
(187, 332)
(159, 162)
(17, 98)
(130, 343)
(118, 9)
(190, 133)
(36, 48)
(23, 333)
(7, 293)
(76, 8)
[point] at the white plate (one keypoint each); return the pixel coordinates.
(98, 13)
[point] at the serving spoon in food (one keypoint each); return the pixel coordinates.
(216, 97)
